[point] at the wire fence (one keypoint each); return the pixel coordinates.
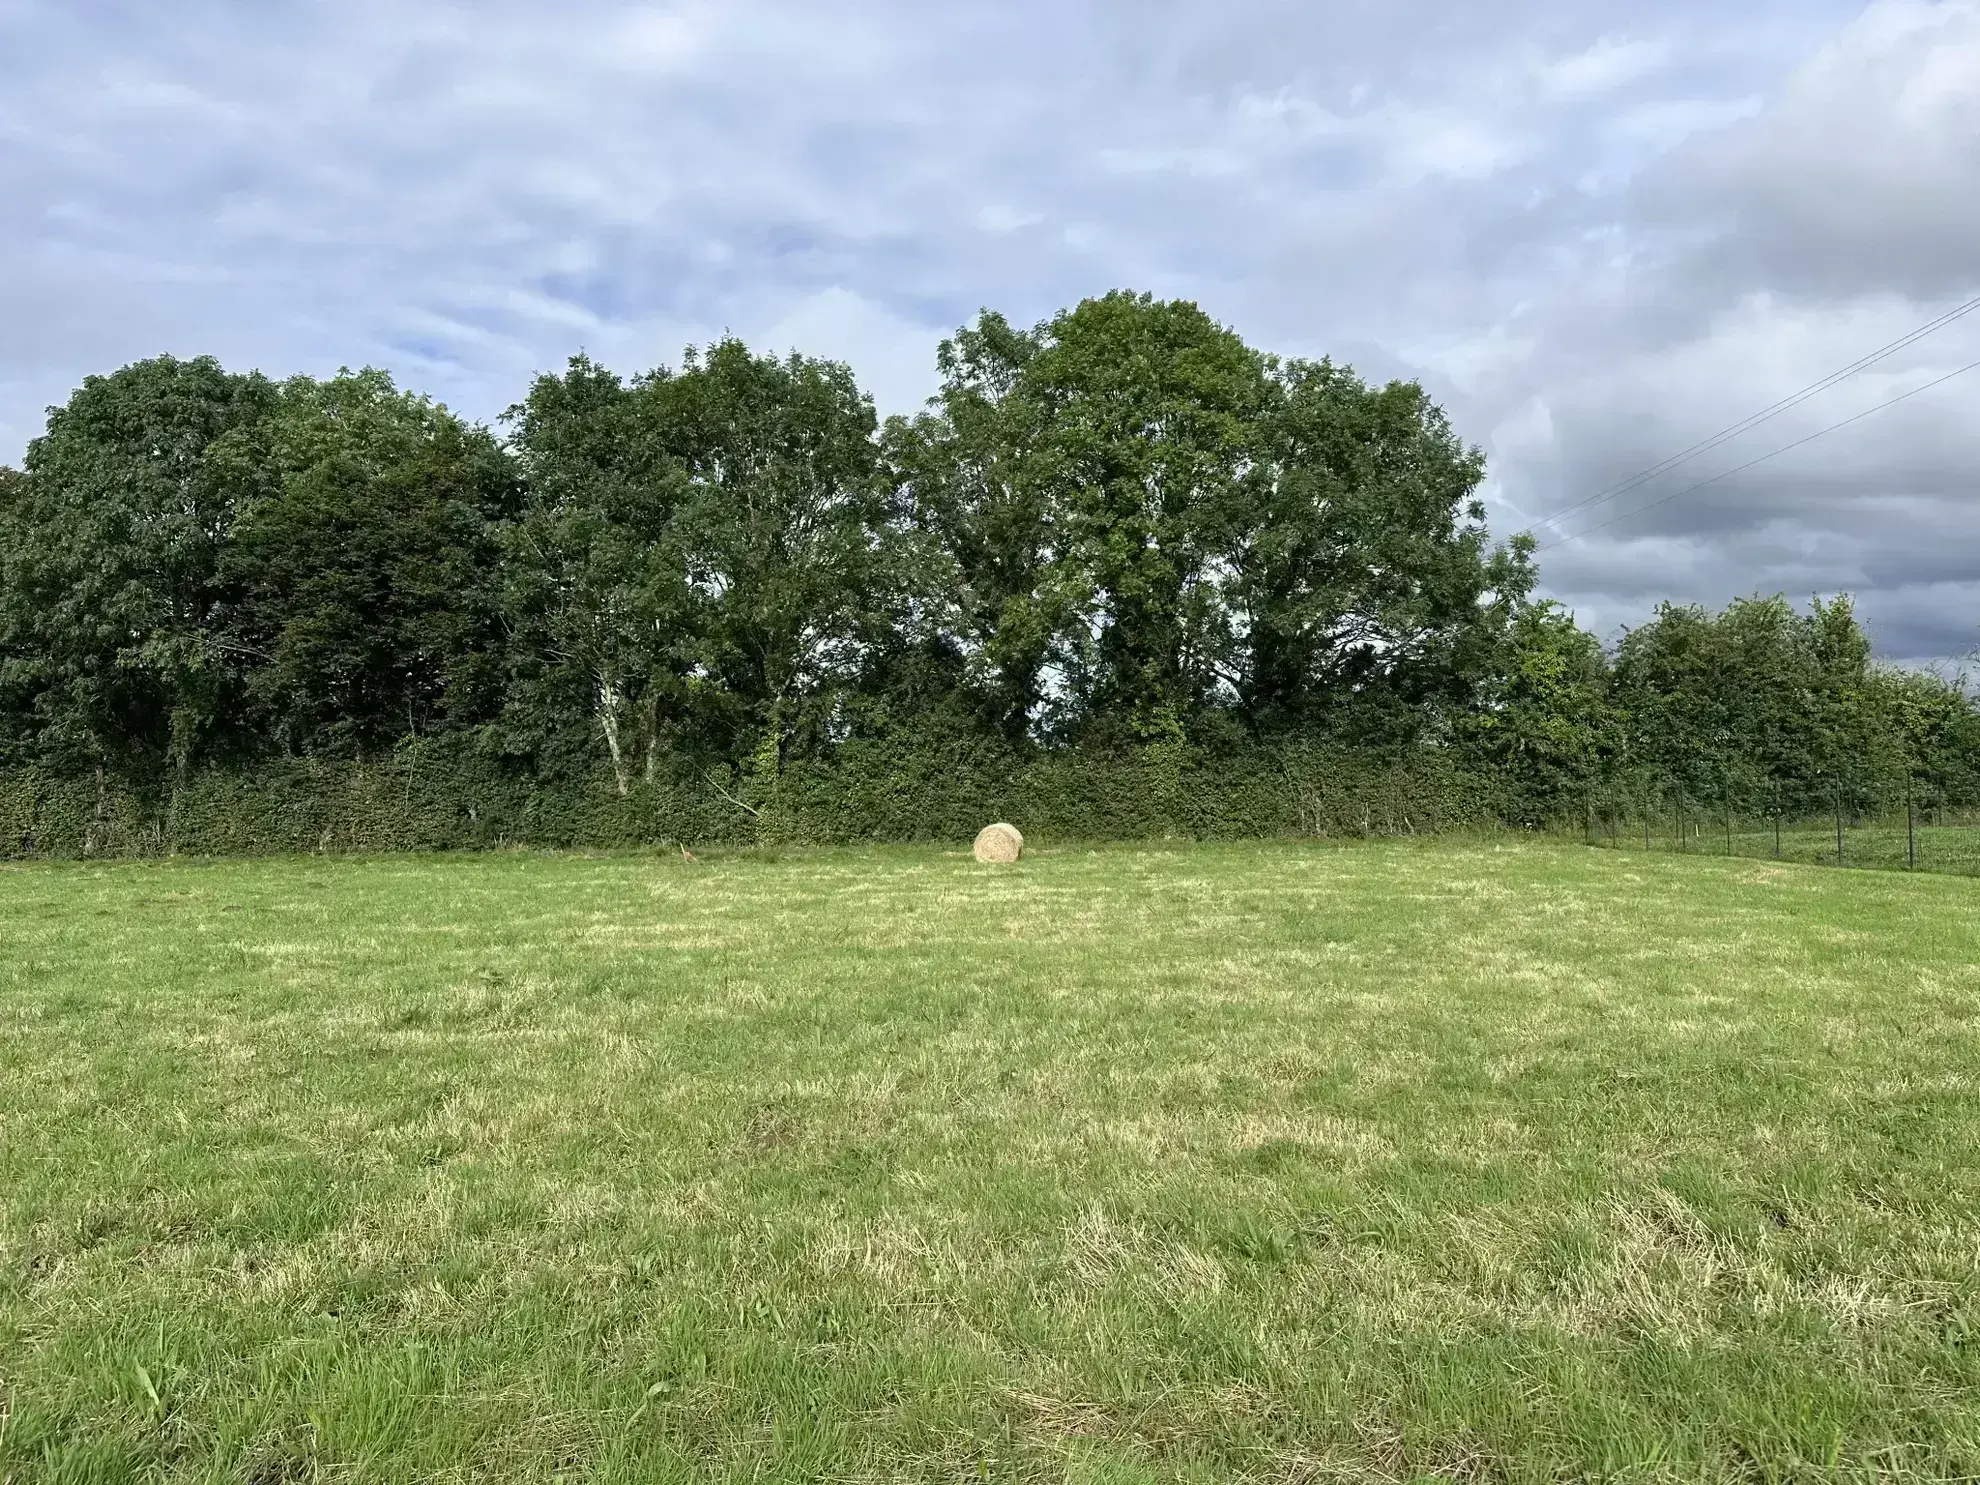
(1911, 832)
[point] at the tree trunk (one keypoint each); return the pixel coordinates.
(652, 737)
(608, 718)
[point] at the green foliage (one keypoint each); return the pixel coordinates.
(360, 574)
(196, 565)
(20, 665)
(1544, 721)
(446, 793)
(782, 524)
(1364, 596)
(1764, 710)
(1151, 434)
(597, 595)
(1120, 572)
(110, 554)
(1140, 519)
(979, 508)
(1124, 530)
(703, 560)
(1929, 733)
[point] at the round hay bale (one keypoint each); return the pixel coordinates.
(999, 845)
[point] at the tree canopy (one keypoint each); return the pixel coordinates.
(1142, 520)
(1120, 527)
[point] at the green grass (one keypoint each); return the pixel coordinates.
(1884, 844)
(1272, 1162)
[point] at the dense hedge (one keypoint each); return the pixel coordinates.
(439, 797)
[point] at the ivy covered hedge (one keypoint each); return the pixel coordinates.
(446, 796)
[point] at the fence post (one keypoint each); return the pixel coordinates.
(1839, 825)
(1910, 829)
(1777, 832)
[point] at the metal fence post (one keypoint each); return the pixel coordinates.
(1839, 826)
(1910, 829)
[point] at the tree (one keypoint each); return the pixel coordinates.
(1123, 527)
(783, 528)
(1667, 684)
(597, 591)
(1364, 595)
(1147, 442)
(1544, 725)
(703, 567)
(1757, 707)
(1146, 521)
(109, 567)
(18, 663)
(1931, 729)
(360, 575)
(970, 488)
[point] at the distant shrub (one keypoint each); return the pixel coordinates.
(449, 796)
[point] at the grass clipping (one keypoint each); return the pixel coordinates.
(999, 845)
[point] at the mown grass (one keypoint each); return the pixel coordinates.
(1883, 844)
(1270, 1162)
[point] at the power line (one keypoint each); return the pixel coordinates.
(1741, 469)
(1766, 414)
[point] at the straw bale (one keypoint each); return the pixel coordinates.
(999, 845)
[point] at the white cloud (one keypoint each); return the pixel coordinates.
(1666, 123)
(1611, 63)
(1767, 253)
(845, 326)
(1598, 229)
(1865, 171)
(1000, 217)
(667, 41)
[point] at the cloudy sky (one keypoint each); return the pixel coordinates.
(1598, 230)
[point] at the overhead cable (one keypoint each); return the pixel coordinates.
(1766, 414)
(1741, 469)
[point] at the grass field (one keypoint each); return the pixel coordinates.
(1272, 1162)
(1884, 844)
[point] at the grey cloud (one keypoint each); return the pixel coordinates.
(1759, 257)
(1863, 174)
(1597, 229)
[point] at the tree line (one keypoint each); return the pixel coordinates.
(1121, 528)
(1760, 710)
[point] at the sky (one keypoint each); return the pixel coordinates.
(1599, 231)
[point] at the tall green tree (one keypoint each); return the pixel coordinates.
(1543, 724)
(1148, 447)
(1145, 520)
(110, 584)
(707, 559)
(601, 614)
(981, 509)
(361, 572)
(1365, 595)
(18, 661)
(784, 526)
(1930, 735)
(1666, 682)
(1758, 707)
